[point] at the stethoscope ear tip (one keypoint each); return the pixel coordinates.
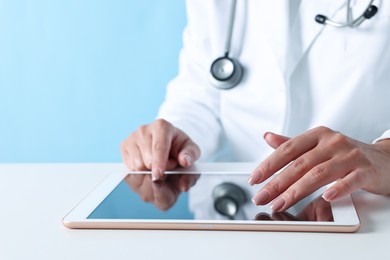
(370, 12)
(321, 19)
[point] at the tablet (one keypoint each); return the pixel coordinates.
(215, 197)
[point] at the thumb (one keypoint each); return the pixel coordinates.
(189, 153)
(275, 140)
(184, 150)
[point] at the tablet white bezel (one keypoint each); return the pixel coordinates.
(344, 213)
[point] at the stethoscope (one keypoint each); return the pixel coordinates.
(369, 12)
(226, 72)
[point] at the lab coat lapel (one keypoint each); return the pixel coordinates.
(305, 30)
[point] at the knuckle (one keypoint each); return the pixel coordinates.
(356, 152)
(161, 123)
(293, 194)
(138, 165)
(339, 140)
(265, 167)
(142, 130)
(322, 130)
(299, 165)
(359, 178)
(287, 148)
(318, 173)
(273, 187)
(345, 186)
(158, 146)
(358, 155)
(130, 166)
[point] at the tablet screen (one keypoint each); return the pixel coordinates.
(209, 197)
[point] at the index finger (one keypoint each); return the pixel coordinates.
(161, 146)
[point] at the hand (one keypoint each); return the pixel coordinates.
(158, 147)
(163, 194)
(316, 158)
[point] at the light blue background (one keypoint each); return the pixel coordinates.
(77, 76)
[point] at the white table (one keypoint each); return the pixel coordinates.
(35, 197)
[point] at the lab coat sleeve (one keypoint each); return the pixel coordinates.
(191, 103)
(385, 135)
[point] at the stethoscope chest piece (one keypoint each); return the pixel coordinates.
(225, 73)
(228, 198)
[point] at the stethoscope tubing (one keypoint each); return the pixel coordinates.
(229, 34)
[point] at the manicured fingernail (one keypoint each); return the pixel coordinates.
(329, 194)
(278, 204)
(252, 180)
(156, 174)
(261, 197)
(265, 134)
(188, 159)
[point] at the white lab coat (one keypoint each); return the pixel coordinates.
(298, 75)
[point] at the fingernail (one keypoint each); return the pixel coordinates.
(188, 159)
(265, 134)
(261, 197)
(278, 204)
(253, 180)
(156, 174)
(329, 194)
